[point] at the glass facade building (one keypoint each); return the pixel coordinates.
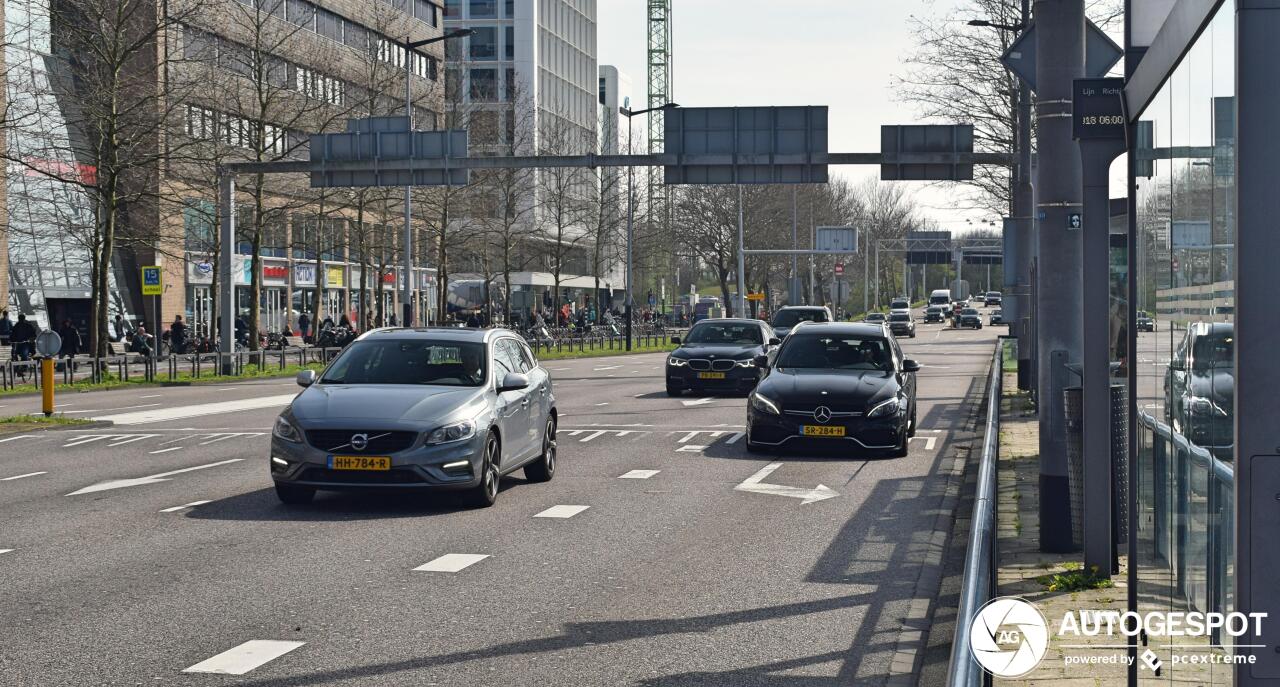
(1185, 369)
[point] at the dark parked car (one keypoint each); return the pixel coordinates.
(425, 409)
(835, 384)
(969, 317)
(1144, 322)
(1199, 387)
(719, 355)
(875, 318)
(901, 324)
(997, 317)
(993, 298)
(935, 313)
(789, 316)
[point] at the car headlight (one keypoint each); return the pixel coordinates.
(454, 432)
(286, 430)
(765, 404)
(745, 363)
(1198, 405)
(676, 362)
(885, 408)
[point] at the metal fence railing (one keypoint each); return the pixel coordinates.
(980, 557)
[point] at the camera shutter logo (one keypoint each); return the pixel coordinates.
(1008, 636)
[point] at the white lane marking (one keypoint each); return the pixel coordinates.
(734, 439)
(180, 412)
(607, 367)
(152, 396)
(602, 404)
(637, 396)
(127, 439)
(928, 442)
(592, 435)
(175, 509)
(103, 410)
(689, 436)
(221, 436)
(698, 402)
(85, 439)
(166, 450)
(241, 659)
(561, 511)
(452, 562)
(691, 448)
(152, 479)
(573, 432)
(639, 474)
(755, 484)
(29, 474)
(5, 550)
(174, 441)
(20, 436)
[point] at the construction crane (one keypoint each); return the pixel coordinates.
(659, 79)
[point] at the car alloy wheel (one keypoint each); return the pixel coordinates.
(486, 493)
(543, 469)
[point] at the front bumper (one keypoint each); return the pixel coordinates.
(877, 434)
(418, 467)
(740, 379)
(901, 331)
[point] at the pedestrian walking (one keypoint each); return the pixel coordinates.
(304, 326)
(6, 327)
(23, 339)
(178, 335)
(70, 339)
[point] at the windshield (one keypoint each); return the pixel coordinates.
(789, 318)
(993, 294)
(401, 361)
(898, 305)
(814, 351)
(725, 333)
(968, 311)
(900, 317)
(1214, 350)
(875, 317)
(1142, 314)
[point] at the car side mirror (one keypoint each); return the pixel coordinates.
(761, 361)
(675, 340)
(775, 341)
(306, 378)
(910, 365)
(514, 381)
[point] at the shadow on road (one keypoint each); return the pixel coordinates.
(262, 505)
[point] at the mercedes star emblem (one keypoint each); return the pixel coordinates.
(359, 442)
(821, 414)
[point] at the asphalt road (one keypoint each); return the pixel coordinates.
(666, 577)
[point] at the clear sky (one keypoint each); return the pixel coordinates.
(839, 53)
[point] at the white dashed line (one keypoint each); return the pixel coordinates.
(734, 439)
(639, 474)
(246, 657)
(602, 404)
(29, 474)
(5, 550)
(105, 410)
(592, 435)
(561, 511)
(20, 436)
(152, 396)
(691, 448)
(452, 562)
(166, 450)
(607, 367)
(129, 440)
(175, 509)
(698, 402)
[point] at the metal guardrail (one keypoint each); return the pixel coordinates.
(979, 562)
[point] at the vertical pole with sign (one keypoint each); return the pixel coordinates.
(1099, 129)
(153, 285)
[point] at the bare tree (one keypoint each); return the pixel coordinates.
(563, 197)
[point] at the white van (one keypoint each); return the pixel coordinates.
(940, 297)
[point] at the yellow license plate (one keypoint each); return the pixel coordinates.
(360, 462)
(822, 431)
(710, 375)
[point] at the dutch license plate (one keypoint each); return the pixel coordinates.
(710, 375)
(359, 462)
(822, 431)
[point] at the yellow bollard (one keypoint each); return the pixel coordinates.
(46, 384)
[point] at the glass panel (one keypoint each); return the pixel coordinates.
(484, 43)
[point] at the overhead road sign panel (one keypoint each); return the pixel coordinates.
(386, 139)
(948, 139)
(836, 240)
(1101, 54)
(746, 145)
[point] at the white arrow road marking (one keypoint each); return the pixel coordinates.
(29, 474)
(175, 509)
(638, 474)
(928, 442)
(452, 562)
(241, 659)
(691, 448)
(152, 479)
(561, 511)
(755, 484)
(697, 402)
(607, 367)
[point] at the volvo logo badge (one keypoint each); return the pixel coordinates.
(822, 414)
(359, 442)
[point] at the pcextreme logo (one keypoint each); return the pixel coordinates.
(1008, 636)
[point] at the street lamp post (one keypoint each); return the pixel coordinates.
(631, 209)
(406, 285)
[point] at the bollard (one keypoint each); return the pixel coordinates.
(46, 384)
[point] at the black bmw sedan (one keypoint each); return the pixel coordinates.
(719, 355)
(837, 383)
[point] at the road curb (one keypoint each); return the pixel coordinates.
(913, 639)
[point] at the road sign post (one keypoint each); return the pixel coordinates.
(48, 343)
(153, 285)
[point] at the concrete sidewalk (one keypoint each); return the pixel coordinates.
(1025, 571)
